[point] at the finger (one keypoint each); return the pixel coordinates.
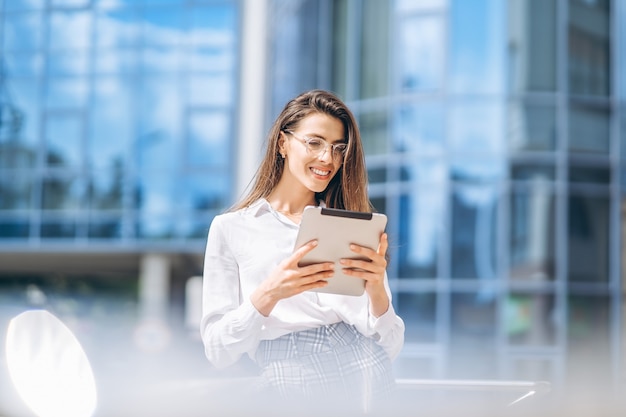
(304, 249)
(366, 266)
(383, 245)
(313, 269)
(315, 284)
(374, 257)
(359, 273)
(363, 250)
(313, 281)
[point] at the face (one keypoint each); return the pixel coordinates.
(306, 168)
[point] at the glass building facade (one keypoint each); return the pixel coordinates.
(494, 133)
(120, 119)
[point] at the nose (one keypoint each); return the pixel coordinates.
(326, 154)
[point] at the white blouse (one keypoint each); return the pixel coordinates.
(242, 248)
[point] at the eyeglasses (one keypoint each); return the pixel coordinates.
(317, 146)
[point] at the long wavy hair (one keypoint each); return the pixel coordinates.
(348, 188)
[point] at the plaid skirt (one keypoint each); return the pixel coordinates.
(335, 365)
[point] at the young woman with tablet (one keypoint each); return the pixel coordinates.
(256, 299)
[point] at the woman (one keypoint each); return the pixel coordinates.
(255, 296)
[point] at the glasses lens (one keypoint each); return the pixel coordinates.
(316, 145)
(339, 150)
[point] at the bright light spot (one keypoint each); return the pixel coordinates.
(49, 367)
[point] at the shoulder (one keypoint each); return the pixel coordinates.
(239, 216)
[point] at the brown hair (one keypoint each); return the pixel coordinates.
(348, 188)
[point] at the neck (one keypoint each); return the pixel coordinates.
(291, 206)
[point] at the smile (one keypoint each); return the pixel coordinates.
(320, 172)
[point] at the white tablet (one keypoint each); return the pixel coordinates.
(335, 230)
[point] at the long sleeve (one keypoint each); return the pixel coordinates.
(389, 329)
(230, 326)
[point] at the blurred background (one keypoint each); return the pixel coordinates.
(495, 135)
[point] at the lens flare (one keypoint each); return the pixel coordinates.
(48, 366)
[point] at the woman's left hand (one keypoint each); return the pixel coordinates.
(372, 271)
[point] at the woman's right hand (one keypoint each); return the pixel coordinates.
(289, 279)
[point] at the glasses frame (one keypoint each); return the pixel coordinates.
(336, 155)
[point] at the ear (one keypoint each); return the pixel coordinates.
(281, 144)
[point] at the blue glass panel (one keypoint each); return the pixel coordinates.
(68, 63)
(23, 31)
(155, 195)
(63, 137)
(15, 189)
(422, 215)
(419, 312)
(112, 122)
(426, 170)
(115, 61)
(20, 5)
(197, 196)
(590, 43)
(374, 52)
(106, 189)
(117, 3)
(589, 129)
(160, 59)
(477, 46)
(17, 155)
(622, 137)
(14, 228)
(23, 64)
(621, 50)
(155, 227)
(66, 93)
(477, 169)
(374, 128)
(117, 28)
(160, 123)
(24, 97)
(532, 232)
(203, 192)
(70, 3)
(589, 175)
(588, 238)
(70, 30)
(420, 128)
(476, 127)
(473, 324)
(58, 229)
(532, 171)
(212, 25)
(216, 90)
(532, 45)
(532, 127)
(162, 26)
(210, 59)
(407, 6)
(422, 53)
(62, 193)
(195, 227)
(104, 229)
(209, 139)
(473, 233)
